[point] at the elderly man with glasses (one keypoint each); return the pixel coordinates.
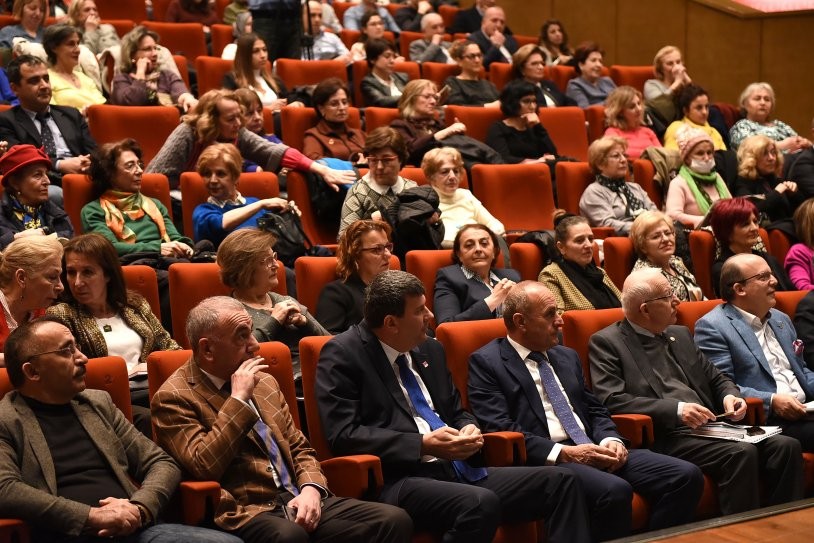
(645, 364)
(757, 346)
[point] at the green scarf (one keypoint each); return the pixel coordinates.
(701, 197)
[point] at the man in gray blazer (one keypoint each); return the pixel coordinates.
(644, 364)
(70, 463)
(432, 47)
(757, 346)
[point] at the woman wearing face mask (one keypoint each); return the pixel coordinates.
(693, 101)
(697, 185)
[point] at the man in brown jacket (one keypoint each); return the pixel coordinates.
(224, 420)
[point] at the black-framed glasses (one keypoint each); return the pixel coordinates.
(666, 296)
(473, 56)
(67, 351)
(762, 277)
(387, 159)
(378, 250)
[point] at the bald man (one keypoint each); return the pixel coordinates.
(432, 47)
(515, 384)
(757, 346)
(645, 364)
(493, 39)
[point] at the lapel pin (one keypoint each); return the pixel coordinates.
(425, 364)
(672, 338)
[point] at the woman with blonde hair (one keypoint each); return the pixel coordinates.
(217, 119)
(84, 14)
(671, 74)
(757, 101)
(799, 263)
(624, 115)
(30, 281)
(760, 164)
(364, 252)
(654, 239)
(31, 15)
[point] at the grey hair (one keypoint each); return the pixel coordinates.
(638, 287)
(425, 20)
(206, 316)
(752, 87)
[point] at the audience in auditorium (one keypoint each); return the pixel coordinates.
(671, 74)
(496, 44)
(97, 36)
(25, 209)
(520, 137)
(331, 136)
(69, 86)
(760, 165)
(634, 371)
(624, 117)
(473, 287)
(573, 277)
(31, 15)
(697, 185)
(653, 236)
(382, 86)
(554, 43)
(528, 63)
(29, 281)
(693, 103)
(248, 266)
(226, 209)
(432, 47)
(612, 200)
(385, 152)
(326, 45)
(470, 88)
(758, 102)
(141, 82)
(352, 20)
(734, 222)
(799, 263)
(364, 252)
(590, 86)
(443, 169)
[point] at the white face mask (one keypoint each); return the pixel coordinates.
(702, 166)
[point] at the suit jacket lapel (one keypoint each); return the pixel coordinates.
(66, 129)
(382, 366)
(37, 443)
(747, 335)
(517, 369)
(641, 359)
(27, 124)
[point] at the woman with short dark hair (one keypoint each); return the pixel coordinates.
(693, 102)
(69, 86)
(382, 86)
(590, 86)
(331, 136)
(528, 64)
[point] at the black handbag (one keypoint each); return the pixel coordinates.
(292, 241)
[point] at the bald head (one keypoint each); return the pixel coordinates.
(531, 316)
(431, 24)
(747, 282)
(639, 286)
(648, 300)
(494, 19)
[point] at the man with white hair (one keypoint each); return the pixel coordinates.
(757, 346)
(432, 47)
(645, 364)
(496, 44)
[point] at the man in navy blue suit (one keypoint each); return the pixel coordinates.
(527, 383)
(757, 346)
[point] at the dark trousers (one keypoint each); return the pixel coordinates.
(281, 32)
(471, 513)
(738, 468)
(672, 488)
(801, 430)
(343, 520)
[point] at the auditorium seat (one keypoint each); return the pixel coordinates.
(634, 76)
(148, 125)
(500, 73)
(619, 258)
(122, 26)
(572, 180)
(595, 117)
(566, 126)
(688, 313)
(644, 174)
(359, 70)
(135, 10)
(143, 280)
(221, 36)
(787, 301)
(438, 72)
(319, 232)
(296, 72)
(779, 245)
(476, 118)
(376, 117)
(186, 39)
(210, 72)
(425, 264)
(527, 259)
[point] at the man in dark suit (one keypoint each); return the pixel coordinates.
(496, 44)
(644, 364)
(61, 130)
(223, 419)
(757, 346)
(71, 465)
(527, 383)
(383, 388)
(468, 20)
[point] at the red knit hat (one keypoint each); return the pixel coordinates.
(20, 156)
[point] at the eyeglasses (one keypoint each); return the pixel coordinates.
(385, 160)
(662, 234)
(67, 351)
(429, 96)
(617, 156)
(132, 166)
(762, 277)
(473, 56)
(378, 250)
(528, 101)
(665, 297)
(270, 261)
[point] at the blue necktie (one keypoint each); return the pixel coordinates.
(558, 400)
(464, 470)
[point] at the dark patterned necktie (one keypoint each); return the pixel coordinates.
(46, 134)
(558, 400)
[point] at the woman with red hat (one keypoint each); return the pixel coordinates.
(24, 207)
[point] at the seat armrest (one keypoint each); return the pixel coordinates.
(504, 449)
(755, 414)
(357, 476)
(637, 429)
(199, 500)
(13, 530)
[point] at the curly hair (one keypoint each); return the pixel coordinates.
(103, 163)
(687, 96)
(350, 245)
(204, 118)
(458, 48)
(240, 253)
(616, 103)
(751, 149)
(642, 226)
(130, 46)
(599, 150)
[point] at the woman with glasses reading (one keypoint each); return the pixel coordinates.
(574, 278)
(364, 252)
(472, 288)
(248, 266)
(611, 200)
(469, 88)
(654, 240)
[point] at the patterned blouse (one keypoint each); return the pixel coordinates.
(681, 280)
(775, 130)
